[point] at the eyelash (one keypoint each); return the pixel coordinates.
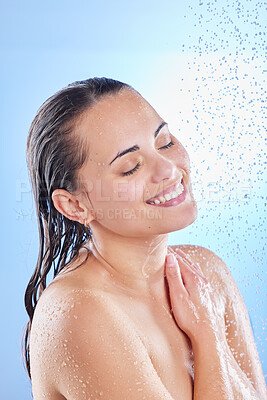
(138, 164)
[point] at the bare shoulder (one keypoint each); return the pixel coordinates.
(213, 267)
(237, 324)
(216, 271)
(56, 316)
(83, 345)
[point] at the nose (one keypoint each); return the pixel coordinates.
(162, 169)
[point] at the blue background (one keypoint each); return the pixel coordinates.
(201, 65)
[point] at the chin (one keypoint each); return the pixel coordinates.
(185, 221)
(185, 218)
(181, 219)
(140, 223)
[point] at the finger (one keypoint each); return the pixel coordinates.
(182, 257)
(196, 267)
(186, 257)
(200, 272)
(182, 253)
(189, 274)
(173, 275)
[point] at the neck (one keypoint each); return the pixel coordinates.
(135, 264)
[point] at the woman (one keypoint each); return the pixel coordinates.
(126, 316)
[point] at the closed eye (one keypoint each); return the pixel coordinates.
(167, 145)
(132, 170)
(138, 164)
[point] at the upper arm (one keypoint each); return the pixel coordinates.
(93, 352)
(237, 324)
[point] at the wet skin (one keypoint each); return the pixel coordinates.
(134, 247)
(106, 328)
(147, 322)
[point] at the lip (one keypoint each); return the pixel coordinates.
(166, 191)
(173, 202)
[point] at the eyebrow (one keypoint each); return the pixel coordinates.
(136, 147)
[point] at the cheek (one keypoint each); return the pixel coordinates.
(185, 155)
(101, 192)
(181, 156)
(109, 192)
(124, 190)
(129, 191)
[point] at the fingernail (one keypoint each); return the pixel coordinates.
(170, 259)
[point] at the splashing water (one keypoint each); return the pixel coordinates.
(221, 119)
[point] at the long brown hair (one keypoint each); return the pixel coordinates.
(54, 155)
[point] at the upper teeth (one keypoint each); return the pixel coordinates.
(172, 195)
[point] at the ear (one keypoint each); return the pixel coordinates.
(71, 207)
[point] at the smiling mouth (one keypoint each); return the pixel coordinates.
(172, 194)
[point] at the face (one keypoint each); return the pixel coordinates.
(132, 159)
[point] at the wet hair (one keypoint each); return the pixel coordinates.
(53, 164)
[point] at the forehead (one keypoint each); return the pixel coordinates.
(116, 121)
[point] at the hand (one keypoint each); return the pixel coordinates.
(191, 297)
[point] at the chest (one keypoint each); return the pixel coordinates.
(168, 347)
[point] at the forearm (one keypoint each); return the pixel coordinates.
(217, 375)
